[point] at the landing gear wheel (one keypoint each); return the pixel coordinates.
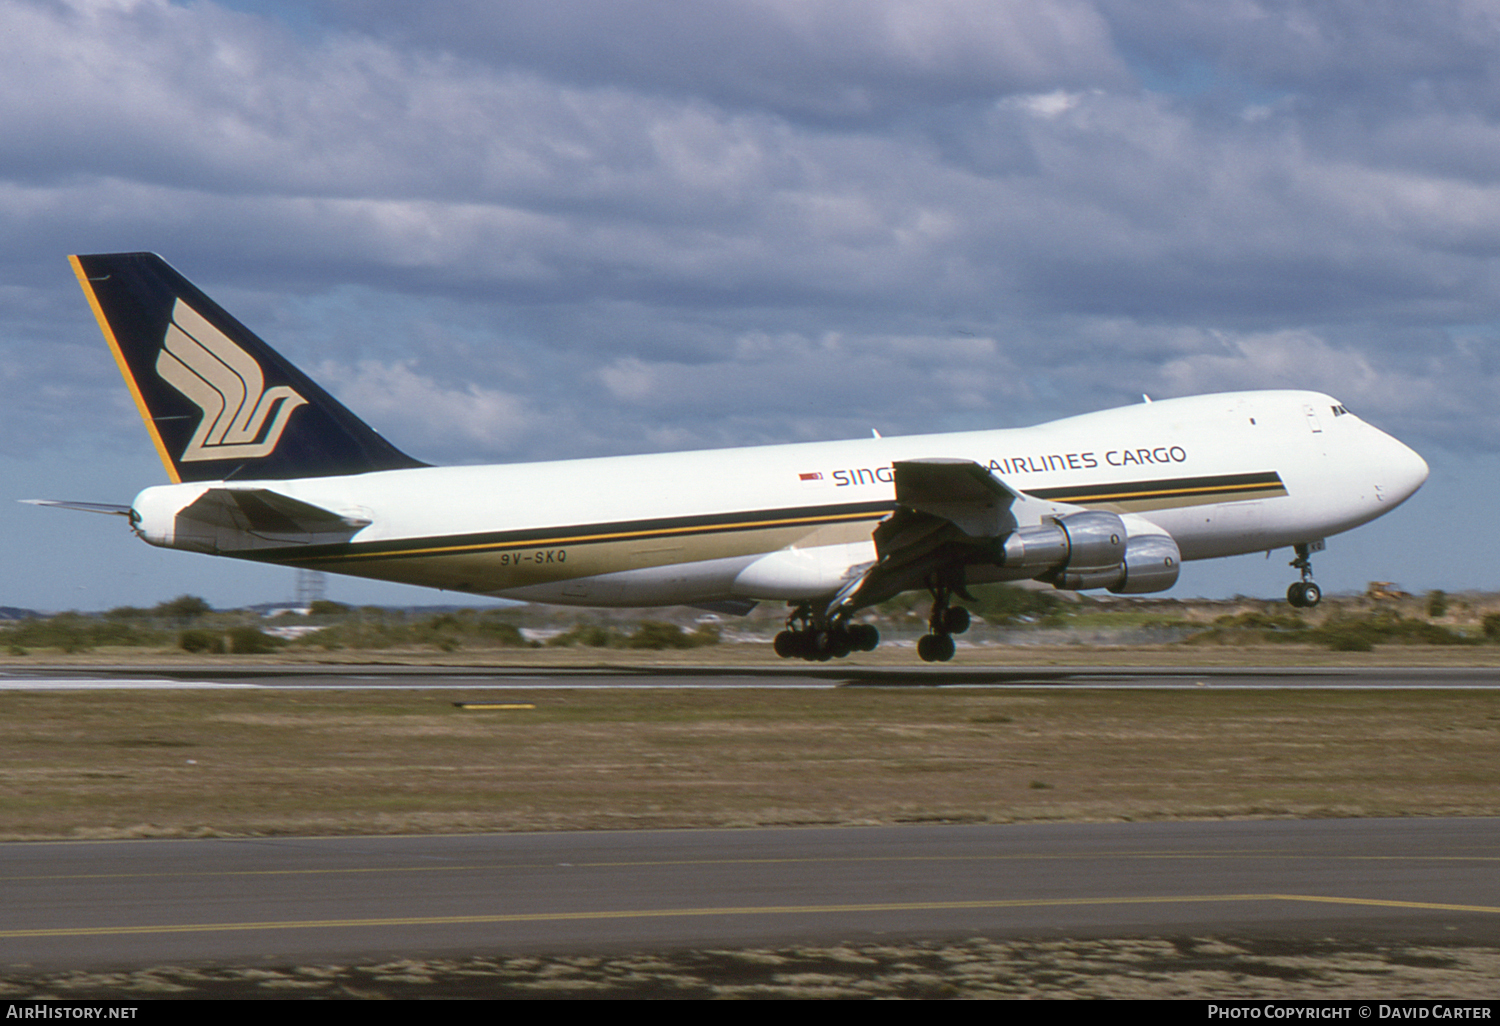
(821, 638)
(935, 648)
(955, 620)
(819, 646)
(1304, 594)
(864, 637)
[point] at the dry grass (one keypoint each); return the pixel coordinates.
(112, 764)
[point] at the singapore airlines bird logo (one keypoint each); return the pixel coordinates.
(201, 362)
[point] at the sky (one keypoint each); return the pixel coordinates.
(511, 230)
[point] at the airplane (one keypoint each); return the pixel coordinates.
(267, 466)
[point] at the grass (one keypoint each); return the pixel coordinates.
(114, 764)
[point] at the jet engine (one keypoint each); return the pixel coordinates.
(1092, 549)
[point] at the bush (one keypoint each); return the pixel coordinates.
(1257, 620)
(449, 631)
(201, 642)
(654, 634)
(183, 607)
(592, 635)
(1254, 626)
(493, 631)
(1362, 635)
(252, 641)
(649, 634)
(1349, 636)
(80, 632)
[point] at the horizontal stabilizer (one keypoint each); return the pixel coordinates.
(86, 507)
(239, 520)
(261, 511)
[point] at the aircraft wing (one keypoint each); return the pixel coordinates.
(953, 514)
(948, 512)
(958, 491)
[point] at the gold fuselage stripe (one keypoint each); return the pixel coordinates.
(1252, 486)
(657, 532)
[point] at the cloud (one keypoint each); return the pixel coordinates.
(352, 155)
(545, 173)
(1441, 388)
(421, 409)
(535, 230)
(821, 60)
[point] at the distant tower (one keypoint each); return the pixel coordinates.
(312, 586)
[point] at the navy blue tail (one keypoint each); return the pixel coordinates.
(218, 401)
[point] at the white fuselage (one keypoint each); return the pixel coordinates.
(1222, 474)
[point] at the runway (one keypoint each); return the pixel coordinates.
(283, 901)
(820, 676)
(287, 900)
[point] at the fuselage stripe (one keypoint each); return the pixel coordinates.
(1229, 486)
(581, 539)
(1163, 492)
(540, 539)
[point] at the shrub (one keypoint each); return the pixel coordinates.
(80, 632)
(1362, 635)
(1349, 636)
(654, 634)
(252, 641)
(590, 634)
(200, 641)
(183, 607)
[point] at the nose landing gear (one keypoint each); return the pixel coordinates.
(1304, 594)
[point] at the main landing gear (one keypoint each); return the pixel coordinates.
(805, 638)
(944, 622)
(819, 638)
(1304, 594)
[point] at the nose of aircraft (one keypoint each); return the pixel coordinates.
(1402, 470)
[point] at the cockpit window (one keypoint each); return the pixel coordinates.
(1339, 411)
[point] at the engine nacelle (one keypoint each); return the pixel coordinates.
(1092, 549)
(1152, 562)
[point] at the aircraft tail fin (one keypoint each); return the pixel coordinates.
(218, 401)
